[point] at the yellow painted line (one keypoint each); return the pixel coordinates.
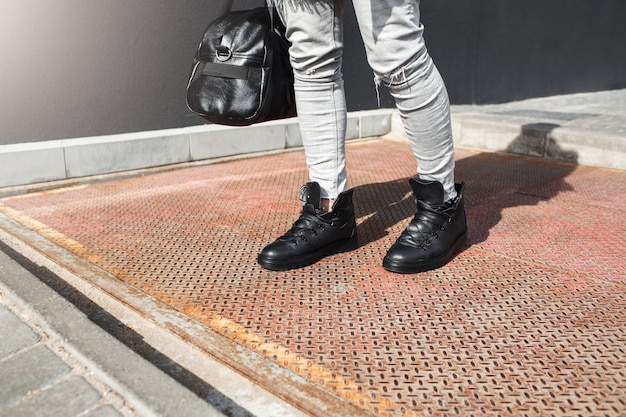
(51, 234)
(344, 387)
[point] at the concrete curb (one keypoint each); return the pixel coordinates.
(540, 137)
(29, 163)
(585, 128)
(535, 137)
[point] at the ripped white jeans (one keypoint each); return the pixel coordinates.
(392, 35)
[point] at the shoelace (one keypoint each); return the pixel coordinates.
(307, 225)
(426, 225)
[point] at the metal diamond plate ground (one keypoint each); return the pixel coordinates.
(530, 320)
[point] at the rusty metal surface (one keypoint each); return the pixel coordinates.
(527, 321)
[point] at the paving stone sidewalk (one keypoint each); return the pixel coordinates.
(40, 378)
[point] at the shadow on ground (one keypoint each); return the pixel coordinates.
(494, 183)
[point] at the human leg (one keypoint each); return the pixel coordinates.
(315, 30)
(396, 51)
(326, 224)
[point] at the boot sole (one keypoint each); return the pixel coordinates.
(341, 246)
(423, 266)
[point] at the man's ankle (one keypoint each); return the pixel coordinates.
(327, 204)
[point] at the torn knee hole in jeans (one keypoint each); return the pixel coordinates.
(395, 77)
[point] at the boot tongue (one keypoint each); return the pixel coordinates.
(430, 192)
(310, 195)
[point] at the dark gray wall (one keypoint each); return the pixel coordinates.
(74, 68)
(495, 51)
(491, 51)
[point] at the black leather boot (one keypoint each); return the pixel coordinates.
(436, 233)
(315, 234)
